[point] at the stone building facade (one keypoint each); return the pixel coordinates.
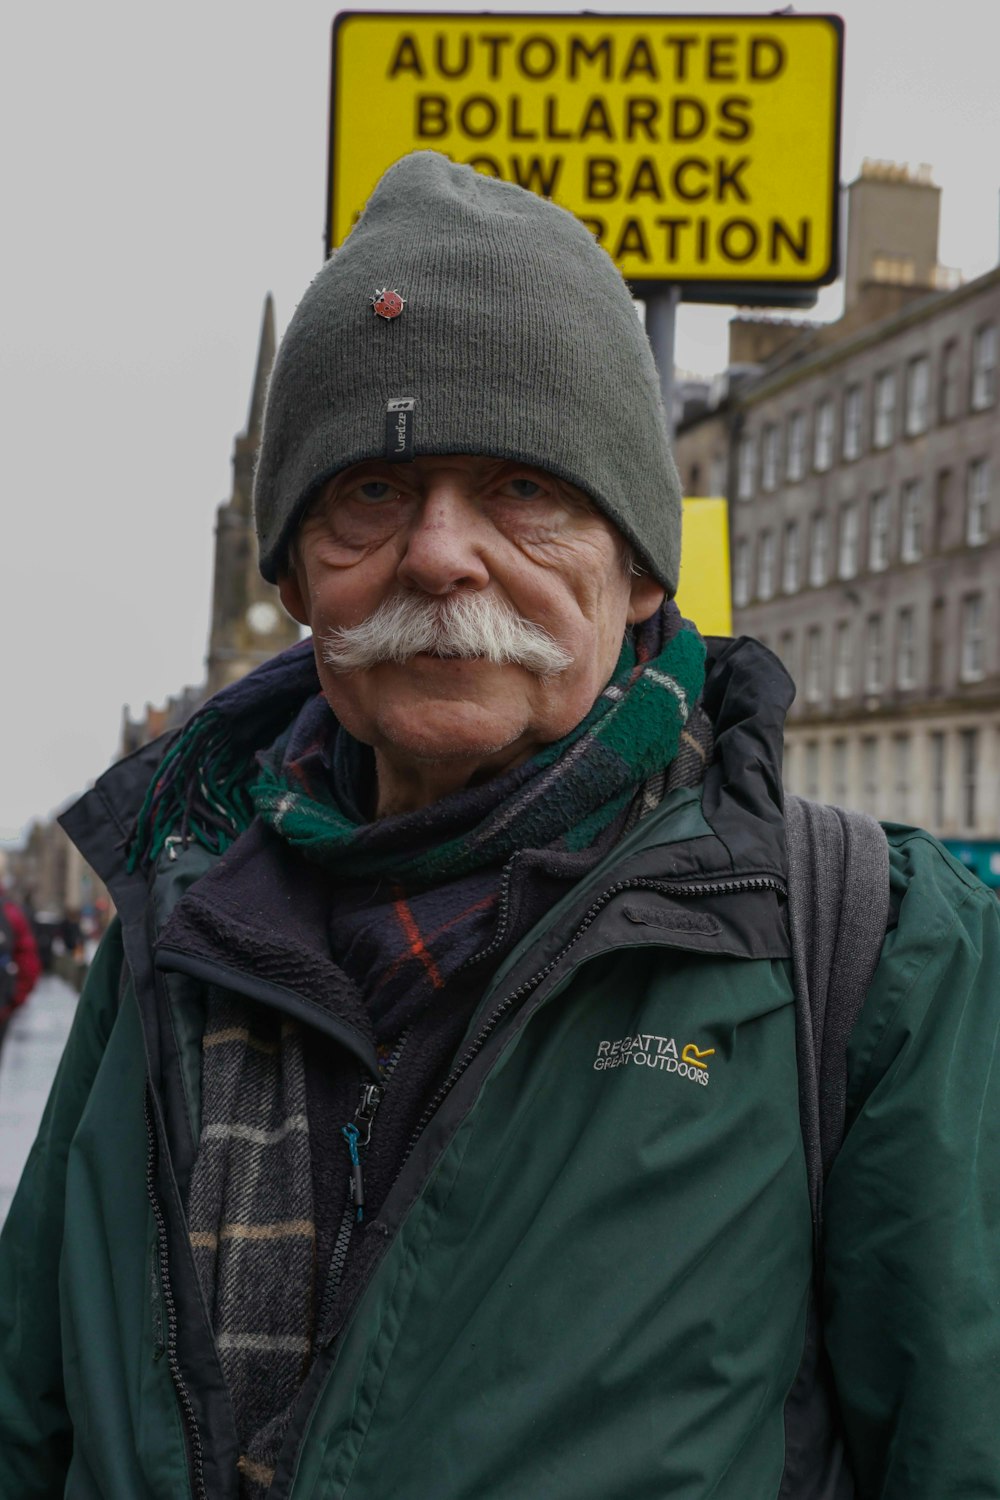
(863, 463)
(247, 625)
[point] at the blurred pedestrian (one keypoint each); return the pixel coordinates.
(20, 965)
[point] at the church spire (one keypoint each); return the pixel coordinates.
(247, 443)
(265, 359)
(248, 622)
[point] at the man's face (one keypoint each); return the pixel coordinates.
(440, 527)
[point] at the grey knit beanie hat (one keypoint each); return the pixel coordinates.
(504, 330)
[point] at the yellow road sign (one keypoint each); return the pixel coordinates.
(699, 149)
(703, 591)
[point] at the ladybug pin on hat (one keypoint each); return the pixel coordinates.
(388, 304)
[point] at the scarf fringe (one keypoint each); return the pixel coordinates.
(200, 793)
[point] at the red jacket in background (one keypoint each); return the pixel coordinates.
(25, 955)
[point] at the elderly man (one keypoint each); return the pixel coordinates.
(431, 1128)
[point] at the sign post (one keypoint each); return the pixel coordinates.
(661, 330)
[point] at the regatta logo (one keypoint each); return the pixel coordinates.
(644, 1050)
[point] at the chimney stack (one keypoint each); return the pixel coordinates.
(892, 229)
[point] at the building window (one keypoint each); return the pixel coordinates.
(939, 766)
(973, 659)
(918, 395)
(791, 561)
(838, 770)
(741, 573)
(977, 512)
(769, 458)
(939, 641)
(746, 461)
(789, 759)
(906, 651)
(911, 521)
(853, 415)
(842, 662)
(885, 409)
(786, 650)
(883, 425)
(984, 366)
(942, 510)
(819, 546)
(902, 759)
(869, 774)
(878, 532)
(874, 665)
(847, 551)
(949, 398)
(812, 769)
(795, 462)
(814, 664)
(823, 444)
(765, 565)
(969, 741)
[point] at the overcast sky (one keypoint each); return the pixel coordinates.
(164, 167)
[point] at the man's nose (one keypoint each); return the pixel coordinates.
(446, 544)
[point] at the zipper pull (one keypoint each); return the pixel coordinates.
(350, 1134)
(371, 1098)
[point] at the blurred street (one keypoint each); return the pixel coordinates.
(28, 1063)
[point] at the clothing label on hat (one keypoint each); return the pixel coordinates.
(399, 420)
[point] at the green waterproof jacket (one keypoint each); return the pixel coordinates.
(596, 1266)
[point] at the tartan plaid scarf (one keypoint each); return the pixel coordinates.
(251, 1220)
(562, 797)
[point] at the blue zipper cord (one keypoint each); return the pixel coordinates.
(350, 1134)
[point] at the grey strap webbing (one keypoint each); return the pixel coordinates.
(838, 905)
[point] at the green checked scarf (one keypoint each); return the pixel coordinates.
(564, 796)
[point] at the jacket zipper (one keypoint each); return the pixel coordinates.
(357, 1135)
(371, 1098)
(663, 887)
(192, 1435)
(503, 917)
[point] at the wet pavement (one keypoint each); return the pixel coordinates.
(31, 1053)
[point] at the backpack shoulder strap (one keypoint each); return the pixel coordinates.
(838, 904)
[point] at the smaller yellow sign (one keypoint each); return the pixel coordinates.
(703, 594)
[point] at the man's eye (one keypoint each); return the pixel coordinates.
(524, 488)
(374, 490)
